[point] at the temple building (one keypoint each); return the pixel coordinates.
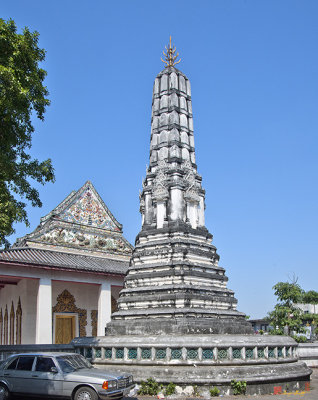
(63, 279)
(177, 320)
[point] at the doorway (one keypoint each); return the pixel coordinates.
(65, 328)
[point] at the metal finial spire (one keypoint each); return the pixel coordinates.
(170, 57)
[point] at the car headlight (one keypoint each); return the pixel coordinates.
(112, 384)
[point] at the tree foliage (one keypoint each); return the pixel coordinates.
(310, 297)
(22, 96)
(286, 313)
(283, 316)
(288, 293)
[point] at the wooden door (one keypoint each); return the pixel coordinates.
(64, 328)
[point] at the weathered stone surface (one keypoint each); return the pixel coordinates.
(205, 360)
(308, 352)
(176, 320)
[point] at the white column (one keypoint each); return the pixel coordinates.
(192, 211)
(177, 208)
(161, 213)
(201, 212)
(43, 333)
(104, 307)
(148, 209)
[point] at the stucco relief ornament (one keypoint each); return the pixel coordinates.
(187, 165)
(142, 206)
(159, 189)
(163, 165)
(94, 314)
(192, 192)
(192, 195)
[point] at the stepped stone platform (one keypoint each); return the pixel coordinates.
(176, 320)
(264, 362)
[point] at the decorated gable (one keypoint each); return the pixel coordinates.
(87, 208)
(81, 221)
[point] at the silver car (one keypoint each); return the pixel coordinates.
(65, 375)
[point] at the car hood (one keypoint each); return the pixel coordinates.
(95, 374)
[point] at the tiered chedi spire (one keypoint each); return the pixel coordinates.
(174, 283)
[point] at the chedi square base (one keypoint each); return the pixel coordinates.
(176, 319)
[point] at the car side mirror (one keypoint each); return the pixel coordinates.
(54, 370)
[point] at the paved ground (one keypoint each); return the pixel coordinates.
(311, 395)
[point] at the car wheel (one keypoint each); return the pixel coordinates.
(4, 393)
(85, 393)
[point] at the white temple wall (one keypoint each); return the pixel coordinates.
(84, 287)
(28, 304)
(26, 289)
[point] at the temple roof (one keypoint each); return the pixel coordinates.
(61, 260)
(80, 223)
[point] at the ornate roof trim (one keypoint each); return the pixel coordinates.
(81, 221)
(73, 196)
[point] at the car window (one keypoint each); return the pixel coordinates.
(25, 363)
(65, 366)
(44, 364)
(13, 364)
(69, 363)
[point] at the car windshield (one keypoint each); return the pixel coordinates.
(71, 363)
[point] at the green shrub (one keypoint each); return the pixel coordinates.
(170, 389)
(239, 387)
(214, 392)
(276, 332)
(150, 386)
(300, 339)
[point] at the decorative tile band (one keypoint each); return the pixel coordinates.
(161, 354)
(202, 355)
(176, 354)
(146, 354)
(192, 354)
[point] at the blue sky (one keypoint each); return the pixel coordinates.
(253, 67)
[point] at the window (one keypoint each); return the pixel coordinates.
(25, 363)
(73, 362)
(13, 364)
(44, 364)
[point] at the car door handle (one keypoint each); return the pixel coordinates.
(6, 374)
(35, 376)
